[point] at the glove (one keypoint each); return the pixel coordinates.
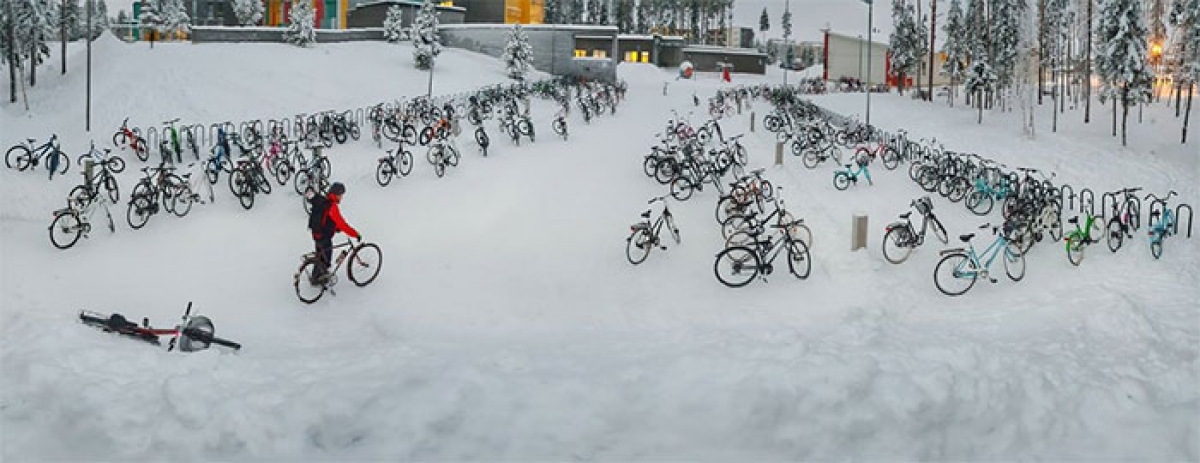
(359, 238)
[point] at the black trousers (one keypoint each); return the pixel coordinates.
(324, 248)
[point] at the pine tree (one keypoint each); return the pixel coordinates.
(955, 47)
(99, 20)
(1005, 28)
(175, 20)
(1185, 18)
(34, 26)
(1121, 62)
(789, 57)
(301, 28)
(517, 54)
(642, 19)
(248, 12)
(150, 21)
(393, 25)
(624, 16)
(1158, 30)
(426, 43)
(551, 12)
(71, 16)
(764, 22)
(787, 24)
(907, 42)
(122, 17)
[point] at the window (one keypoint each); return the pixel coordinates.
(631, 56)
(645, 57)
(579, 53)
(600, 53)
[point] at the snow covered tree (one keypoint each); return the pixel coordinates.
(122, 17)
(764, 22)
(955, 47)
(1122, 61)
(787, 24)
(8, 47)
(1158, 30)
(551, 12)
(248, 12)
(393, 25)
(1185, 18)
(624, 16)
(907, 42)
(99, 20)
(981, 80)
(175, 20)
(70, 17)
(517, 53)
(33, 27)
(150, 22)
(301, 25)
(1005, 36)
(789, 57)
(426, 43)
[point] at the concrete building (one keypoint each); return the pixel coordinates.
(715, 59)
(371, 13)
(555, 46)
(846, 57)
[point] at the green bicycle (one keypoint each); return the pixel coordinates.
(1080, 238)
(956, 273)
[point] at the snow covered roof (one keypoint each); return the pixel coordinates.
(722, 50)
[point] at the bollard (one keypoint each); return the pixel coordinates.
(779, 153)
(751, 121)
(87, 171)
(859, 232)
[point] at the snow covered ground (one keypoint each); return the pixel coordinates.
(507, 324)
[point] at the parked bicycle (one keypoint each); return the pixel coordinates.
(956, 273)
(27, 155)
(1162, 223)
(74, 221)
(843, 178)
(901, 238)
(739, 265)
(132, 138)
(645, 235)
(397, 162)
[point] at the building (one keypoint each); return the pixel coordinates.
(371, 13)
(846, 57)
(330, 14)
(503, 11)
(800, 50)
(201, 12)
(737, 37)
(707, 58)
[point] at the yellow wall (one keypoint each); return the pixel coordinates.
(524, 11)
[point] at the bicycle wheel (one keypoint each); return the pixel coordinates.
(736, 267)
(896, 245)
(17, 157)
(799, 260)
(119, 139)
(891, 158)
(1116, 234)
(955, 274)
(405, 163)
(811, 159)
(139, 148)
(1156, 248)
(979, 203)
(110, 184)
(669, 222)
(305, 289)
(801, 232)
(681, 188)
(1014, 263)
(115, 164)
(637, 246)
(65, 230)
(1075, 247)
(182, 201)
(734, 224)
(139, 212)
(364, 264)
(665, 171)
(439, 169)
(283, 171)
(958, 189)
(212, 172)
(727, 207)
(1055, 224)
(841, 181)
(451, 156)
(384, 172)
(938, 230)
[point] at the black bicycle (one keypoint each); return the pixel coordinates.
(644, 235)
(193, 333)
(901, 238)
(737, 266)
(397, 162)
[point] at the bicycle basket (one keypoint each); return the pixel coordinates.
(924, 205)
(863, 160)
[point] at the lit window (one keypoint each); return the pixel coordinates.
(631, 56)
(645, 57)
(600, 53)
(580, 53)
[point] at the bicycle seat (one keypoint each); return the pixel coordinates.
(848, 166)
(967, 237)
(1074, 220)
(646, 215)
(31, 140)
(736, 137)
(905, 215)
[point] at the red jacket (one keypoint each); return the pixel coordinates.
(334, 214)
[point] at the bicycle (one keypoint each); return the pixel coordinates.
(1124, 220)
(560, 124)
(24, 156)
(904, 239)
(193, 333)
(74, 221)
(248, 179)
(398, 162)
(968, 265)
(111, 161)
(843, 178)
(743, 263)
(441, 154)
(1162, 228)
(189, 190)
(158, 187)
(1077, 240)
(364, 257)
(131, 137)
(644, 235)
(92, 182)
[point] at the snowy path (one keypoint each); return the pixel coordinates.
(507, 325)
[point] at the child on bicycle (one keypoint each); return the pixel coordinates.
(325, 221)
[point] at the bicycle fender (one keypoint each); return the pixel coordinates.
(951, 251)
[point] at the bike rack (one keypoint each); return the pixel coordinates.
(1104, 203)
(1087, 196)
(1179, 218)
(201, 135)
(152, 136)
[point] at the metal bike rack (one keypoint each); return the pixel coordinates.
(201, 135)
(1088, 197)
(152, 137)
(1179, 218)
(1104, 203)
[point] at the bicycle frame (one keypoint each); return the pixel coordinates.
(1000, 244)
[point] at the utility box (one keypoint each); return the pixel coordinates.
(858, 228)
(751, 121)
(87, 171)
(779, 153)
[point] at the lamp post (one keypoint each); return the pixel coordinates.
(88, 37)
(870, 15)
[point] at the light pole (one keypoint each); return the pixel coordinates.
(860, 57)
(88, 36)
(870, 14)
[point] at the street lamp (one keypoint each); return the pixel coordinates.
(870, 14)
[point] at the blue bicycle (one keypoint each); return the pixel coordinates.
(957, 271)
(843, 178)
(25, 155)
(1160, 228)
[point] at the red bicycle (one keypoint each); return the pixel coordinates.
(126, 136)
(194, 333)
(885, 152)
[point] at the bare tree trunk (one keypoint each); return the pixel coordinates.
(1054, 104)
(932, 50)
(1187, 114)
(1041, 48)
(1124, 114)
(33, 62)
(12, 55)
(63, 31)
(1087, 80)
(1114, 125)
(979, 100)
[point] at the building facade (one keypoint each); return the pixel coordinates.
(852, 58)
(372, 13)
(503, 11)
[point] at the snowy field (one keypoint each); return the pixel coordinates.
(507, 323)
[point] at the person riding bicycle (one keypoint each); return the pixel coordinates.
(325, 221)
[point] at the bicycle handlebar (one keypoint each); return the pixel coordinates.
(657, 198)
(1163, 199)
